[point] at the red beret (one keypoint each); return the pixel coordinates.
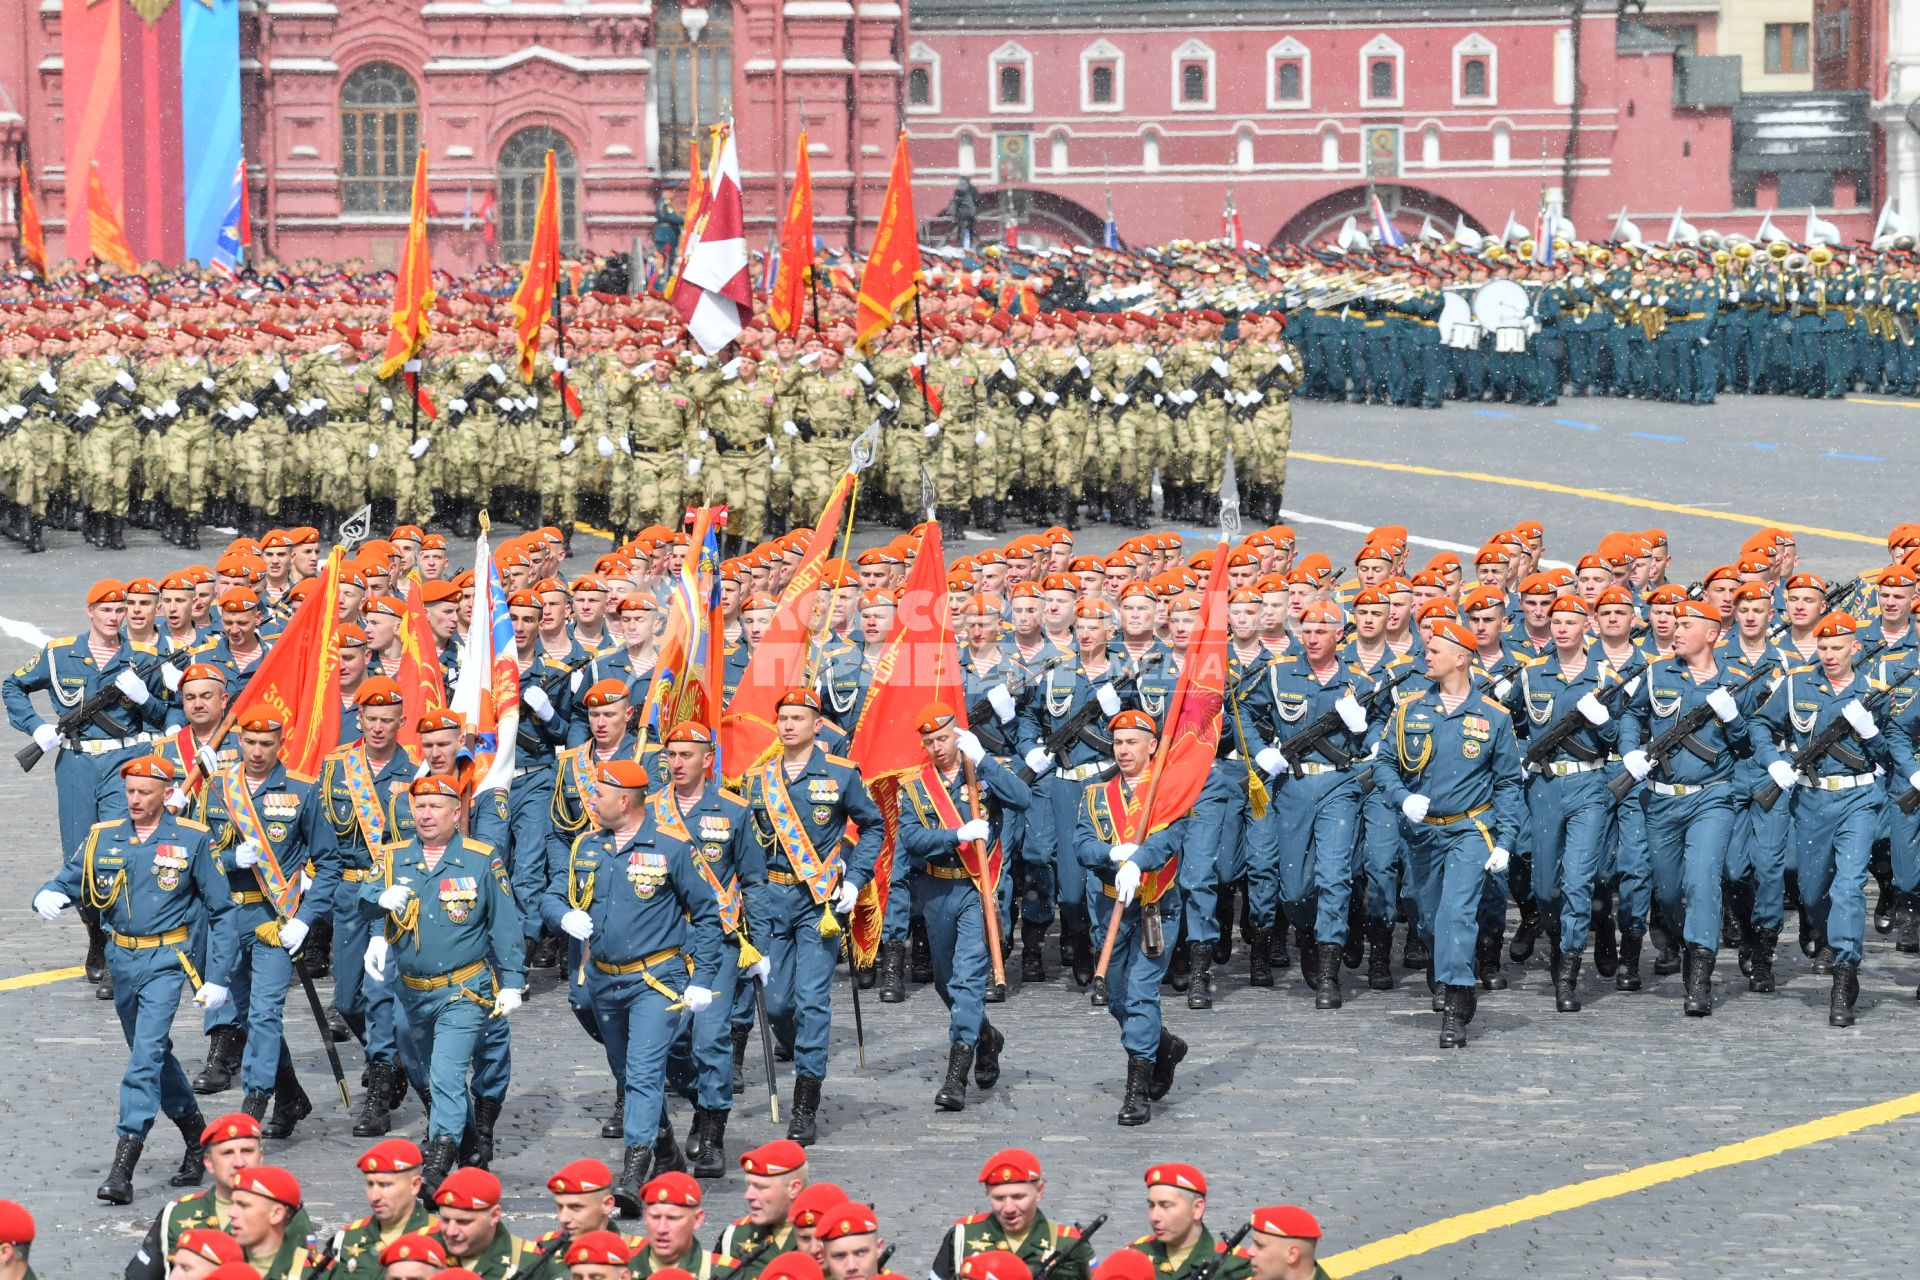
(672, 1188)
(274, 1184)
(995, 1264)
(814, 1202)
(780, 1156)
(604, 1247)
(395, 1155)
(1010, 1165)
(415, 1248)
(847, 1219)
(230, 1127)
(468, 1188)
(792, 1266)
(581, 1178)
(1125, 1264)
(1183, 1177)
(233, 1271)
(1288, 1220)
(210, 1243)
(16, 1224)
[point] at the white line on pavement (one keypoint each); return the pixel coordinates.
(1438, 544)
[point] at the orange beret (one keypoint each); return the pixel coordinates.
(238, 600)
(603, 692)
(1697, 609)
(799, 696)
(435, 784)
(379, 691)
(148, 767)
(1445, 629)
(628, 775)
(262, 722)
(933, 717)
(1137, 720)
(1836, 624)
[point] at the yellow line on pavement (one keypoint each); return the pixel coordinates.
(1885, 404)
(1594, 495)
(40, 979)
(1463, 1226)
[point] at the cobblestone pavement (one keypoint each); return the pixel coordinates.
(1353, 1113)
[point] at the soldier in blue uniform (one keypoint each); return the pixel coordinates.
(1448, 760)
(1114, 851)
(452, 931)
(545, 727)
(1690, 813)
(358, 784)
(633, 895)
(1755, 884)
(240, 648)
(151, 877)
(938, 824)
(1835, 801)
(265, 826)
(802, 804)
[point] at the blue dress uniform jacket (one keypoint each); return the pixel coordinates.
(454, 944)
(1133, 979)
(356, 826)
(86, 774)
(151, 893)
(1568, 806)
(656, 931)
(827, 796)
(530, 798)
(1466, 762)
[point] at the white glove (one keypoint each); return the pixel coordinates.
(1126, 882)
(971, 830)
(50, 902)
(699, 361)
(790, 427)
(506, 1002)
(604, 447)
(1108, 699)
(577, 679)
(247, 855)
(577, 924)
(419, 447)
(567, 446)
(1352, 714)
(1913, 780)
(375, 962)
(1783, 775)
(394, 897)
(373, 451)
(626, 444)
(845, 897)
(979, 439)
(129, 683)
(1497, 861)
(1501, 688)
(292, 934)
(1049, 398)
(970, 747)
(538, 702)
(1592, 711)
(1269, 761)
(1025, 398)
(1638, 763)
(695, 998)
(47, 738)
(177, 800)
(211, 996)
(775, 464)
(1415, 807)
(730, 370)
(931, 430)
(1860, 720)
(1039, 761)
(1122, 852)
(759, 969)
(1000, 698)
(693, 467)
(386, 404)
(1724, 708)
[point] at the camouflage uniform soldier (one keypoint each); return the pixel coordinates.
(658, 417)
(1272, 433)
(107, 443)
(832, 401)
(958, 455)
(728, 460)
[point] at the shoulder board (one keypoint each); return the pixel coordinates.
(141, 646)
(742, 1222)
(478, 846)
(1278, 660)
(734, 800)
(1534, 660)
(834, 759)
(1802, 669)
(63, 642)
(972, 1219)
(190, 1197)
(723, 1259)
(338, 753)
(297, 776)
(1146, 1239)
(358, 1223)
(110, 822)
(551, 1235)
(191, 824)
(1069, 1232)
(1494, 704)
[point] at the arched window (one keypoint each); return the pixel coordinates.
(379, 137)
(523, 165)
(685, 54)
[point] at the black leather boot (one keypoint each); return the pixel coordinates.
(1606, 943)
(740, 1036)
(1135, 1108)
(1172, 1051)
(1566, 984)
(1082, 945)
(1278, 953)
(254, 1103)
(223, 1060)
(1699, 982)
(1760, 948)
(893, 972)
(1180, 973)
(374, 1120)
(1259, 958)
(1416, 954)
(636, 1165)
(1380, 957)
(1453, 1030)
(615, 1125)
(1223, 921)
(1486, 965)
(192, 1167)
(1309, 959)
(486, 1114)
(1326, 992)
(291, 1105)
(986, 1055)
(708, 1151)
(919, 953)
(667, 1155)
(802, 1126)
(1200, 965)
(96, 962)
(1846, 989)
(1356, 950)
(118, 1188)
(1520, 950)
(953, 1091)
(1627, 978)
(1032, 958)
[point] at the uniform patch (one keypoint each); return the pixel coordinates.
(169, 860)
(822, 815)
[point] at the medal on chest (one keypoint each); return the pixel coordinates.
(647, 871)
(169, 861)
(458, 895)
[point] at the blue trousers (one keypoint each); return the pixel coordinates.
(146, 995)
(366, 1005)
(1687, 840)
(1133, 977)
(800, 985)
(1057, 811)
(1759, 847)
(639, 1031)
(1903, 842)
(446, 1026)
(1380, 856)
(1448, 868)
(1303, 852)
(530, 810)
(260, 982)
(1569, 823)
(492, 1055)
(1212, 856)
(1632, 866)
(701, 1065)
(1833, 832)
(957, 933)
(88, 790)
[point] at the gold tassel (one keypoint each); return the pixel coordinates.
(268, 932)
(1257, 795)
(748, 956)
(829, 924)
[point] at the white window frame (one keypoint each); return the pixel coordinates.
(1011, 51)
(1150, 151)
(1194, 51)
(1430, 145)
(1289, 50)
(1475, 46)
(1059, 151)
(1097, 52)
(966, 154)
(918, 54)
(1330, 147)
(1381, 46)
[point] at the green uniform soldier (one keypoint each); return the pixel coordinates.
(1179, 1245)
(729, 455)
(1284, 1243)
(266, 1220)
(776, 1174)
(671, 1207)
(229, 1145)
(832, 409)
(472, 1228)
(16, 1241)
(391, 1171)
(650, 477)
(584, 1201)
(1014, 1224)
